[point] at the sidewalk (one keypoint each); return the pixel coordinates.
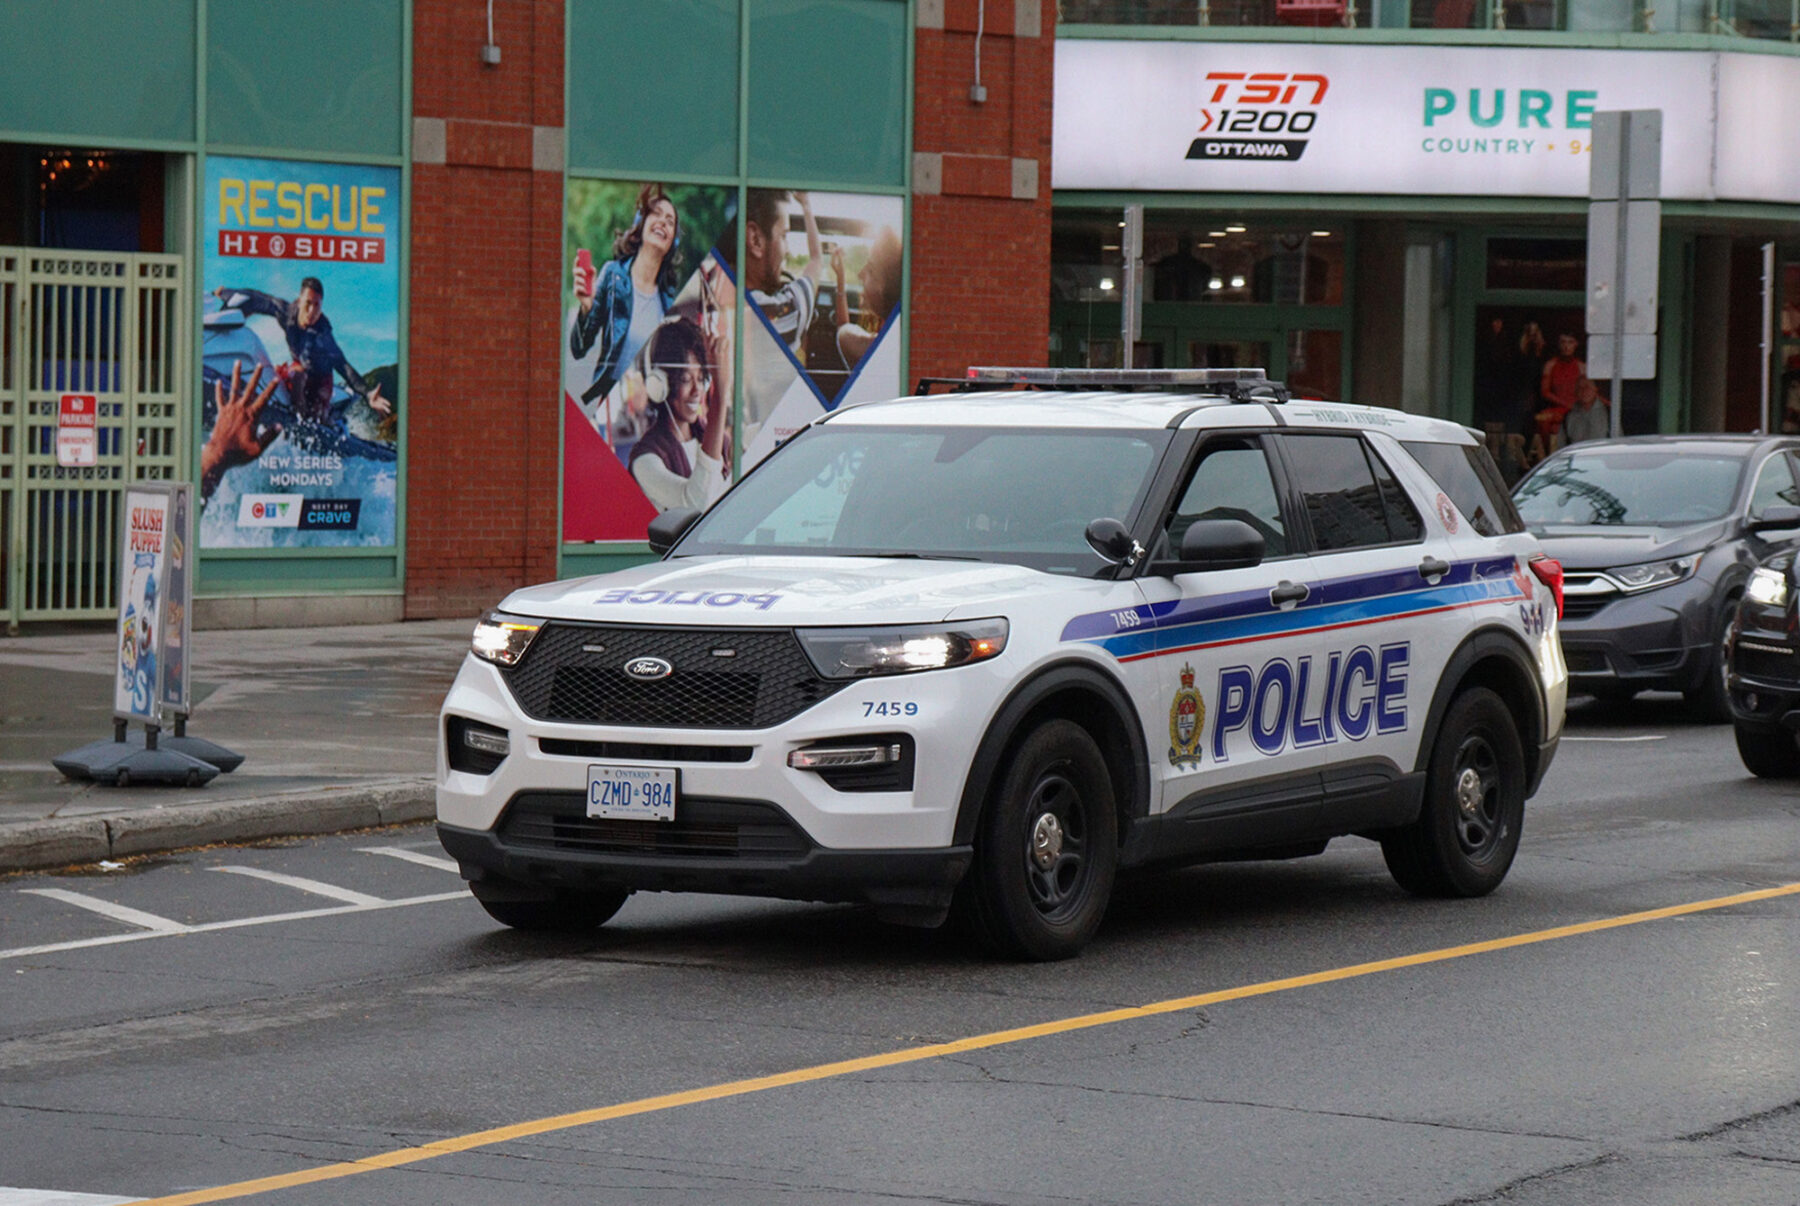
(337, 725)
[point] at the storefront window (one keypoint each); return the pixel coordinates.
(1537, 263)
(1315, 363)
(1203, 260)
(1789, 352)
(1302, 13)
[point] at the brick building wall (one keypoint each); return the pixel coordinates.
(487, 213)
(981, 186)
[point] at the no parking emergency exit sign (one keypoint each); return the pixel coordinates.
(77, 434)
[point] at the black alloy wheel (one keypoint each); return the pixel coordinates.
(565, 913)
(1467, 832)
(1047, 847)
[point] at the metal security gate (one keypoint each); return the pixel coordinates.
(115, 326)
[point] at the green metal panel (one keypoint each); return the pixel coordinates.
(327, 77)
(827, 90)
(241, 575)
(585, 560)
(97, 69)
(653, 87)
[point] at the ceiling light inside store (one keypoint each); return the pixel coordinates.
(1237, 282)
(1321, 234)
(1234, 229)
(1215, 283)
(1109, 247)
(1209, 244)
(1106, 284)
(1215, 234)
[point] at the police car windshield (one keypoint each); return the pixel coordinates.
(1018, 495)
(1653, 487)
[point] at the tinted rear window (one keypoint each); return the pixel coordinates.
(1469, 476)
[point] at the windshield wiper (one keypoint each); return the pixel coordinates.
(921, 556)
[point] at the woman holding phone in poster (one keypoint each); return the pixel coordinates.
(681, 459)
(623, 302)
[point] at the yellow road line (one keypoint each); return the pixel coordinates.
(889, 1059)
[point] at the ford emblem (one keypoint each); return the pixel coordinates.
(648, 669)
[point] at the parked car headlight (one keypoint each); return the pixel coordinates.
(1768, 587)
(503, 639)
(904, 649)
(1652, 574)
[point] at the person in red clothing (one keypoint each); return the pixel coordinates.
(1559, 385)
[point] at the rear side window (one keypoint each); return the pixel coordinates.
(1469, 476)
(1349, 505)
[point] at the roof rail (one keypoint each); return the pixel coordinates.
(1239, 384)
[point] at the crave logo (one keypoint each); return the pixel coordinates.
(1254, 115)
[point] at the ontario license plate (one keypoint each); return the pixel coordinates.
(635, 793)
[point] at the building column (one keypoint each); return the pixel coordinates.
(981, 185)
(487, 218)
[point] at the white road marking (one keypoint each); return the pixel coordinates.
(328, 891)
(236, 924)
(411, 856)
(56, 1197)
(106, 908)
(1649, 737)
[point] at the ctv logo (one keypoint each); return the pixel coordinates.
(1266, 103)
(269, 510)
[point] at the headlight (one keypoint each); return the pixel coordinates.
(860, 652)
(1768, 587)
(1651, 574)
(503, 639)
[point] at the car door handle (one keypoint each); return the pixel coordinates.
(1431, 568)
(1289, 592)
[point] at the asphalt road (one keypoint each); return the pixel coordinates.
(1313, 1034)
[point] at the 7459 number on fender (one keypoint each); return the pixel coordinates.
(634, 793)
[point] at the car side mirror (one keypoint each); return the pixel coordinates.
(1217, 544)
(1111, 539)
(669, 527)
(1773, 519)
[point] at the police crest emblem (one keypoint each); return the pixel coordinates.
(1187, 722)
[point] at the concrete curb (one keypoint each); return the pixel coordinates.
(59, 842)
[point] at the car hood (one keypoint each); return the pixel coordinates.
(1602, 546)
(788, 591)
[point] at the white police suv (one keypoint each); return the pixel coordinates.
(991, 646)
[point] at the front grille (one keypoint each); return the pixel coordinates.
(645, 751)
(723, 678)
(1580, 607)
(723, 829)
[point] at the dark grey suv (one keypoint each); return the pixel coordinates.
(1657, 536)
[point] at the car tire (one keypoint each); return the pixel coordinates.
(1768, 753)
(1468, 827)
(1710, 702)
(571, 913)
(1046, 848)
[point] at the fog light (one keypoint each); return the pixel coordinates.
(1751, 702)
(488, 743)
(839, 756)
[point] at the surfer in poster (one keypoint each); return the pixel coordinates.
(315, 353)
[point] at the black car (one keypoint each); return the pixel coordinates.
(1657, 536)
(1762, 673)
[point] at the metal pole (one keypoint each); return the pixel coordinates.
(1768, 338)
(1615, 396)
(1131, 247)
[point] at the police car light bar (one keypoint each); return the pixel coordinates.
(1071, 378)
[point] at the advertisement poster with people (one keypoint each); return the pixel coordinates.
(823, 274)
(299, 375)
(143, 568)
(647, 354)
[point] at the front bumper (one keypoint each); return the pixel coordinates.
(918, 883)
(1764, 679)
(1661, 640)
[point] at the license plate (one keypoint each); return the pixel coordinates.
(635, 793)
